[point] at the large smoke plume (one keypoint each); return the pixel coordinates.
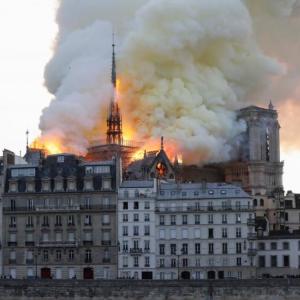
(184, 68)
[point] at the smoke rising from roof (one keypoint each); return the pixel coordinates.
(185, 67)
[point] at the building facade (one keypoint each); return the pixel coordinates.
(204, 231)
(278, 254)
(59, 219)
(136, 229)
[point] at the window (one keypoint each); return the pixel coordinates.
(286, 245)
(161, 262)
(224, 248)
(210, 248)
(286, 260)
(147, 205)
(12, 204)
(224, 219)
(197, 233)
(238, 218)
(224, 232)
(125, 205)
(135, 217)
(146, 230)
(71, 255)
(71, 236)
(238, 205)
(197, 219)
(147, 245)
(45, 237)
(12, 256)
(184, 219)
(45, 221)
(238, 248)
(71, 220)
(185, 262)
(273, 246)
(30, 204)
(45, 255)
(135, 205)
(88, 256)
(261, 246)
(238, 232)
(273, 261)
(261, 202)
(173, 249)
(147, 261)
(184, 233)
(58, 236)
(254, 202)
(197, 248)
(161, 249)
(238, 261)
(146, 217)
(88, 220)
(210, 233)
(57, 220)
(173, 262)
(13, 222)
(125, 261)
(162, 234)
(125, 217)
(87, 203)
(173, 219)
(161, 220)
(173, 234)
(210, 219)
(58, 255)
(135, 230)
(261, 261)
(29, 237)
(185, 249)
(125, 230)
(125, 246)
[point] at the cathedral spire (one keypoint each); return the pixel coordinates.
(114, 133)
(113, 68)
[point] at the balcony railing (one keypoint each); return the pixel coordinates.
(58, 244)
(29, 261)
(136, 251)
(203, 209)
(87, 243)
(106, 260)
(43, 208)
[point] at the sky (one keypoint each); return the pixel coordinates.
(27, 30)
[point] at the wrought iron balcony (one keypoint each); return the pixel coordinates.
(58, 244)
(136, 251)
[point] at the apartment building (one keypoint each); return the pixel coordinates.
(204, 231)
(59, 219)
(136, 229)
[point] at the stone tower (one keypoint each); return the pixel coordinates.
(258, 166)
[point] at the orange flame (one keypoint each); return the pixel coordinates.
(50, 146)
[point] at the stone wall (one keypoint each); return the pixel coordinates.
(273, 289)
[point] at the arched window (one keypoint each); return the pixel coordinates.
(254, 202)
(262, 202)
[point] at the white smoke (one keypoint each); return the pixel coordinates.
(185, 67)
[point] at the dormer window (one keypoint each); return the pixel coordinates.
(60, 159)
(106, 184)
